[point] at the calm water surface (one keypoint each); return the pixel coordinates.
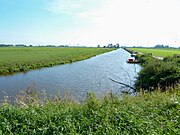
(78, 78)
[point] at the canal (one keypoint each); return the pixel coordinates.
(78, 78)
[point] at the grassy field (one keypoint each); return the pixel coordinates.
(16, 59)
(147, 113)
(154, 113)
(157, 52)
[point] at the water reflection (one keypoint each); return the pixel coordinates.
(91, 75)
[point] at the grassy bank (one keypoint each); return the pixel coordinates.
(16, 59)
(157, 52)
(148, 113)
(157, 73)
(145, 114)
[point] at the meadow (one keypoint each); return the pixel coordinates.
(154, 113)
(16, 59)
(145, 113)
(157, 52)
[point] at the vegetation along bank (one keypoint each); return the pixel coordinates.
(145, 114)
(157, 73)
(17, 59)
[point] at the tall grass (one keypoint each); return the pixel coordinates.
(16, 59)
(147, 113)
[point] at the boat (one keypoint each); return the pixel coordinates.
(131, 60)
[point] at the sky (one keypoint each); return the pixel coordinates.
(90, 22)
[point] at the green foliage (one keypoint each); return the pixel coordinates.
(158, 73)
(148, 113)
(144, 58)
(15, 59)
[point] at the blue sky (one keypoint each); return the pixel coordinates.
(90, 22)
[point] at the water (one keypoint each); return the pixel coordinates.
(78, 78)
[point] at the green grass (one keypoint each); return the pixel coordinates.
(16, 59)
(157, 52)
(154, 113)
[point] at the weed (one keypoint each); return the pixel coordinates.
(147, 113)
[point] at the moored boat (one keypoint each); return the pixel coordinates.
(131, 60)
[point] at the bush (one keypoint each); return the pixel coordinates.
(158, 73)
(145, 114)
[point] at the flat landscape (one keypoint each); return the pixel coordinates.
(69, 67)
(16, 59)
(157, 52)
(149, 112)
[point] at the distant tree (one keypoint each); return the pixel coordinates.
(110, 45)
(161, 46)
(117, 45)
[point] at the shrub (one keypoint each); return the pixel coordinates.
(149, 113)
(158, 73)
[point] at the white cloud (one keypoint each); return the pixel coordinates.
(71, 7)
(124, 21)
